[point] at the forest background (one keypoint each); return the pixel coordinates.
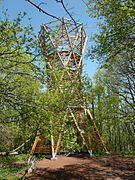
(27, 106)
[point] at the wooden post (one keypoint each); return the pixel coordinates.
(97, 131)
(35, 144)
(79, 130)
(52, 141)
(59, 139)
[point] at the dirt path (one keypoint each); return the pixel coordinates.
(85, 168)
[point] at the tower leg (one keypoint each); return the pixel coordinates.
(90, 153)
(52, 147)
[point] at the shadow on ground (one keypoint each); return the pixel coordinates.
(97, 168)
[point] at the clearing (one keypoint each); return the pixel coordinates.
(82, 167)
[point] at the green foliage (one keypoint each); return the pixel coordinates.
(40, 156)
(20, 81)
(113, 102)
(113, 118)
(9, 170)
(70, 139)
(10, 159)
(116, 28)
(127, 153)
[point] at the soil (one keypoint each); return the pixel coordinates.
(83, 167)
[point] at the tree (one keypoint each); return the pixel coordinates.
(114, 50)
(20, 75)
(116, 27)
(115, 44)
(112, 116)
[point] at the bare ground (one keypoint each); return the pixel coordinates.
(82, 167)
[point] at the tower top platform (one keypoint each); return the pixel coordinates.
(67, 39)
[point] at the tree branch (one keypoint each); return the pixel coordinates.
(41, 10)
(48, 14)
(62, 2)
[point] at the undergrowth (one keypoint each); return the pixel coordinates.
(10, 169)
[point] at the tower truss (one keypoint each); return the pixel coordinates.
(63, 43)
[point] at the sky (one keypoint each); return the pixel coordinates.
(76, 7)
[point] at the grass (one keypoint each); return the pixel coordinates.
(9, 169)
(127, 153)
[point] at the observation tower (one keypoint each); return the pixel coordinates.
(62, 43)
